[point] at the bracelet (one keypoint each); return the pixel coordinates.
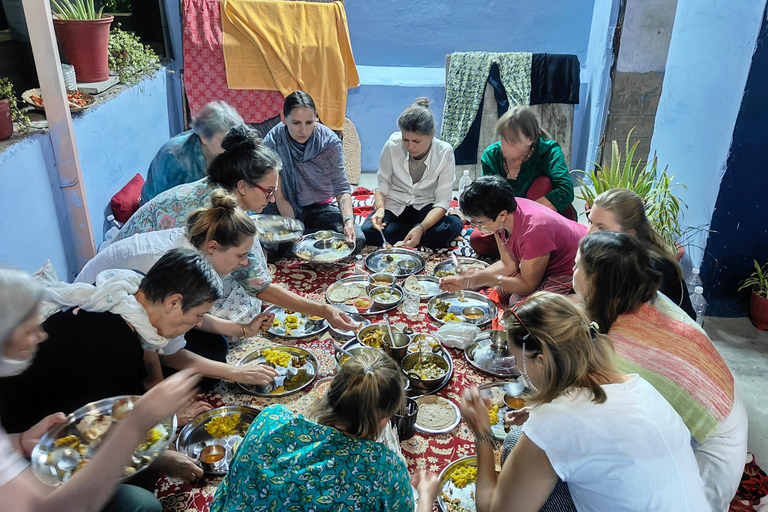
(485, 437)
(498, 281)
(377, 206)
(348, 217)
(243, 330)
(419, 225)
(21, 443)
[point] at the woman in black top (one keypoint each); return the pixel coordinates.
(622, 210)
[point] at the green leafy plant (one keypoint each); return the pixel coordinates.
(117, 5)
(129, 58)
(17, 115)
(758, 280)
(76, 10)
(657, 188)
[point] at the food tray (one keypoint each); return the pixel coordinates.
(362, 283)
(277, 229)
(67, 457)
(447, 265)
(409, 390)
(26, 96)
(193, 437)
(401, 262)
(346, 335)
(479, 355)
(302, 331)
(473, 299)
(276, 389)
(443, 430)
(515, 388)
(446, 485)
(431, 283)
(317, 248)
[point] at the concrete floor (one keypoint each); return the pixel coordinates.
(745, 350)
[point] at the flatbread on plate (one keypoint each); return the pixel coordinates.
(435, 412)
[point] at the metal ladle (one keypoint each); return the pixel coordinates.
(389, 325)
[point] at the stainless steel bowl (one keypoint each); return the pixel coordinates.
(473, 315)
(400, 348)
(362, 333)
(379, 280)
(397, 295)
(411, 360)
(355, 351)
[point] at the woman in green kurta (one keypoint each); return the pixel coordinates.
(532, 163)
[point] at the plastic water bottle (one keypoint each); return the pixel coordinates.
(694, 281)
(359, 266)
(464, 182)
(699, 304)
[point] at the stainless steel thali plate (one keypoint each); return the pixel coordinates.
(297, 375)
(277, 229)
(65, 448)
(433, 399)
(445, 267)
(323, 247)
(349, 288)
(450, 303)
(346, 335)
(465, 495)
(398, 262)
(306, 325)
(494, 393)
(430, 283)
(480, 355)
(194, 437)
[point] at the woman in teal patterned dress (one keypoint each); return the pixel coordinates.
(287, 462)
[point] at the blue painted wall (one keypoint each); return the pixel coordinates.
(709, 59)
(421, 34)
(115, 141)
(740, 221)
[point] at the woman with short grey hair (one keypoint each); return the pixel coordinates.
(185, 157)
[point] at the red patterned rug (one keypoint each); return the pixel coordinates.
(431, 452)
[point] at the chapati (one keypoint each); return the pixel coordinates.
(435, 413)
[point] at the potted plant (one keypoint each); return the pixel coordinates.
(83, 34)
(656, 187)
(129, 58)
(9, 111)
(758, 302)
(121, 11)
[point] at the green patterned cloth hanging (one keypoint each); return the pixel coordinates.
(467, 76)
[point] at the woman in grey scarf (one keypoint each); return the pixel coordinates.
(95, 486)
(313, 171)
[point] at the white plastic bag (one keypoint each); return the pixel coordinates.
(457, 334)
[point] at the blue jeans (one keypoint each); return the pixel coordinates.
(398, 226)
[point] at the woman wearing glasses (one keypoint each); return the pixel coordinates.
(610, 437)
(537, 245)
(249, 171)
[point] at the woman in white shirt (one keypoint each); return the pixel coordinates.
(612, 438)
(416, 173)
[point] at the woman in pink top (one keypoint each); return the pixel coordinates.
(539, 244)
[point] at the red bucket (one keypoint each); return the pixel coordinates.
(85, 45)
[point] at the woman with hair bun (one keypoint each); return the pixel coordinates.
(416, 174)
(349, 470)
(313, 172)
(249, 171)
(611, 437)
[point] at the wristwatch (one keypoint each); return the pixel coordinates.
(485, 437)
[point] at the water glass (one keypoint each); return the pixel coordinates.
(411, 303)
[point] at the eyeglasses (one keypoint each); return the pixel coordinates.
(528, 333)
(270, 192)
(477, 223)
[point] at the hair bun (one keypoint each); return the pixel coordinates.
(241, 137)
(422, 102)
(220, 198)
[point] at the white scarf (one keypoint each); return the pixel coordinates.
(114, 292)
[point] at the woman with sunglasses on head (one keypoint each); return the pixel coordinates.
(313, 172)
(622, 210)
(537, 245)
(615, 277)
(611, 437)
(248, 170)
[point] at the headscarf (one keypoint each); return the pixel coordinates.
(20, 296)
(114, 292)
(299, 171)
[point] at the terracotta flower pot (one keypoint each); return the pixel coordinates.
(758, 311)
(85, 45)
(6, 123)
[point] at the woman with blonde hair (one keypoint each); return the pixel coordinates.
(611, 437)
(532, 163)
(622, 210)
(338, 449)
(654, 338)
(415, 179)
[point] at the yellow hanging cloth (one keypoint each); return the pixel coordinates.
(288, 46)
